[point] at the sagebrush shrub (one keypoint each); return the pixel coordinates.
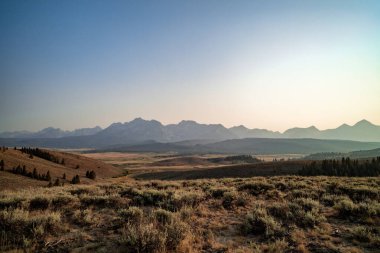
(41, 203)
(260, 222)
(162, 216)
(132, 214)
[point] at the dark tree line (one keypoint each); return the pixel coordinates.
(2, 164)
(32, 174)
(41, 154)
(343, 168)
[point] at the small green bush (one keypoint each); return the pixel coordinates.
(162, 216)
(362, 234)
(217, 192)
(278, 246)
(132, 214)
(100, 200)
(260, 222)
(256, 188)
(229, 199)
(175, 233)
(143, 238)
(10, 203)
(60, 201)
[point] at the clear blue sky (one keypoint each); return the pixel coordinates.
(266, 64)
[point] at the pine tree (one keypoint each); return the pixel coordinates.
(64, 176)
(2, 165)
(75, 180)
(92, 175)
(56, 183)
(48, 177)
(35, 174)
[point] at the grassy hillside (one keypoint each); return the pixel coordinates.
(73, 165)
(274, 214)
(11, 181)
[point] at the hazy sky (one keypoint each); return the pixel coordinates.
(265, 64)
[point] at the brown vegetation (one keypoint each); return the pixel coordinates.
(273, 214)
(73, 164)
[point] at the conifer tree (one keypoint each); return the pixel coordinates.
(48, 177)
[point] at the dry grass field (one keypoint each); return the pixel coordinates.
(272, 214)
(220, 207)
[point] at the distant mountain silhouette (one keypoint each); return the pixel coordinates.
(243, 132)
(51, 132)
(361, 131)
(139, 131)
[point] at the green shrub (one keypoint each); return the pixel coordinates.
(100, 200)
(177, 201)
(217, 192)
(143, 238)
(20, 225)
(259, 222)
(150, 197)
(303, 212)
(242, 200)
(310, 219)
(362, 234)
(229, 199)
(256, 188)
(132, 214)
(331, 200)
(348, 209)
(175, 233)
(304, 193)
(10, 203)
(307, 204)
(60, 201)
(162, 216)
(278, 246)
(83, 217)
(280, 210)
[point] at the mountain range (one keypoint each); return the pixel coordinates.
(140, 130)
(51, 132)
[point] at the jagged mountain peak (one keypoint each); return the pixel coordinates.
(240, 127)
(363, 122)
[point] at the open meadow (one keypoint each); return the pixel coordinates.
(222, 205)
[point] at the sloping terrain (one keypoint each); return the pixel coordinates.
(10, 181)
(73, 164)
